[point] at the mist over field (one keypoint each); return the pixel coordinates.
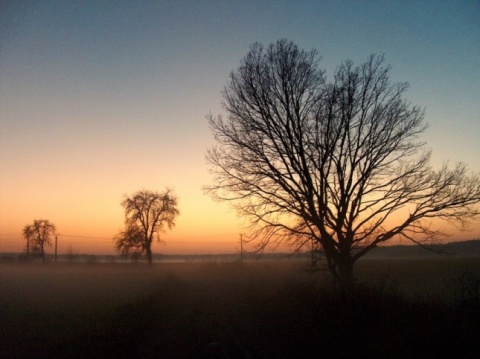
(403, 308)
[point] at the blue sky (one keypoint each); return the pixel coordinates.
(102, 98)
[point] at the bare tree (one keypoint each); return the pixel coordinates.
(38, 235)
(338, 161)
(146, 215)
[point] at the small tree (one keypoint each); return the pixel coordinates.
(147, 214)
(38, 235)
(338, 161)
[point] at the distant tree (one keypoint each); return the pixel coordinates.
(338, 161)
(38, 235)
(147, 214)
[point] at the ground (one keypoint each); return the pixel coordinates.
(401, 308)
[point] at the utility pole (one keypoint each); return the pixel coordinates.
(312, 253)
(241, 247)
(56, 237)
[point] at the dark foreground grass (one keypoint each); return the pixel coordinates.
(231, 310)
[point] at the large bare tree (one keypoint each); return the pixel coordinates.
(38, 235)
(338, 161)
(147, 213)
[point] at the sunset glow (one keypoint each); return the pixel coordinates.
(101, 99)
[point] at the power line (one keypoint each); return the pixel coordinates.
(89, 237)
(176, 240)
(190, 240)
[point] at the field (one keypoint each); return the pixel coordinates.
(402, 308)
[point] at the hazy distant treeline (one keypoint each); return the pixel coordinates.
(462, 248)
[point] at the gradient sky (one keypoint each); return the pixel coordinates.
(102, 98)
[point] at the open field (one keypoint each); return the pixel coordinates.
(405, 308)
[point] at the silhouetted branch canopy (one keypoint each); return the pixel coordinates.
(38, 235)
(130, 241)
(147, 214)
(151, 211)
(338, 160)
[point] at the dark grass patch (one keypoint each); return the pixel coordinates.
(238, 319)
(230, 310)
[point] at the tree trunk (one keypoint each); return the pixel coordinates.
(345, 269)
(343, 273)
(148, 249)
(42, 253)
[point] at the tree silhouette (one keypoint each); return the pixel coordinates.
(335, 161)
(146, 215)
(37, 236)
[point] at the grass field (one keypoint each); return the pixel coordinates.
(402, 308)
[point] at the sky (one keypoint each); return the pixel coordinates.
(99, 99)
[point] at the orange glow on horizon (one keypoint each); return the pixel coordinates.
(194, 237)
(88, 218)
